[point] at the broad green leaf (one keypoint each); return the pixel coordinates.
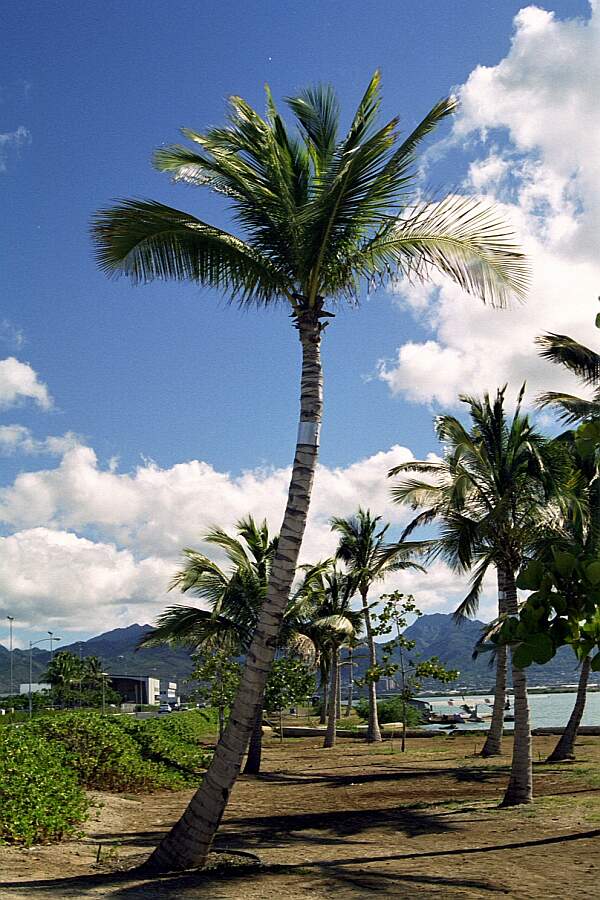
(530, 578)
(593, 572)
(542, 648)
(564, 562)
(596, 663)
(522, 656)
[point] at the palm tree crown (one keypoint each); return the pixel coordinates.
(319, 213)
(363, 548)
(490, 493)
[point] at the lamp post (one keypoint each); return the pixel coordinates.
(11, 619)
(33, 644)
(104, 676)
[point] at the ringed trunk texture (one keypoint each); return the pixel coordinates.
(520, 785)
(565, 748)
(325, 688)
(252, 766)
(188, 843)
(373, 730)
(493, 741)
(350, 684)
(332, 717)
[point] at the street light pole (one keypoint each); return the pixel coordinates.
(11, 619)
(33, 644)
(104, 676)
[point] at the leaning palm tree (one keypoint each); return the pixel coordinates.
(319, 216)
(363, 548)
(490, 495)
(585, 364)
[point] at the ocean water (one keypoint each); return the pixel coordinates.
(547, 710)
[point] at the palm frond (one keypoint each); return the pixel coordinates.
(147, 240)
(459, 237)
(565, 351)
(570, 409)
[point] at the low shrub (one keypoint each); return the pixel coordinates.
(390, 710)
(104, 755)
(40, 798)
(172, 740)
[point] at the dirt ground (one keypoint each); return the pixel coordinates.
(352, 822)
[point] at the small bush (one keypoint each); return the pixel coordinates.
(172, 740)
(40, 798)
(390, 710)
(104, 755)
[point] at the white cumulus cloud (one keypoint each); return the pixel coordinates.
(18, 381)
(92, 547)
(535, 117)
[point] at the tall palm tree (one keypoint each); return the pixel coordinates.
(319, 216)
(369, 558)
(490, 494)
(585, 364)
(334, 623)
(234, 597)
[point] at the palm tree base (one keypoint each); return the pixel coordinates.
(515, 797)
(561, 757)
(486, 752)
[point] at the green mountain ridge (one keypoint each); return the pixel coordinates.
(435, 635)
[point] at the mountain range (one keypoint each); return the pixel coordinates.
(435, 635)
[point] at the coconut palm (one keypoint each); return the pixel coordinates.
(318, 216)
(234, 597)
(333, 623)
(585, 364)
(490, 495)
(369, 558)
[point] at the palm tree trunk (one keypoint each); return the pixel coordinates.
(325, 688)
(188, 843)
(350, 684)
(565, 748)
(493, 741)
(520, 785)
(252, 766)
(338, 693)
(373, 730)
(332, 718)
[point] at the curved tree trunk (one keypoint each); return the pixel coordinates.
(520, 785)
(565, 748)
(373, 730)
(333, 689)
(493, 741)
(252, 766)
(188, 842)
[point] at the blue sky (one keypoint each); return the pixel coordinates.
(172, 374)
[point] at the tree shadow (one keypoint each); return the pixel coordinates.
(341, 780)
(200, 884)
(329, 827)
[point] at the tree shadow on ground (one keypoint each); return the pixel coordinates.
(197, 884)
(132, 885)
(335, 827)
(357, 778)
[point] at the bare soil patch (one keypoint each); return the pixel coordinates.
(355, 821)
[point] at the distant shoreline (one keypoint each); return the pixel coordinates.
(537, 689)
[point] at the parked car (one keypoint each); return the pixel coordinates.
(164, 708)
